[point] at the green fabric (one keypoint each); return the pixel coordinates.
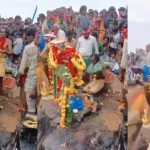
(69, 116)
(100, 47)
(87, 61)
(94, 68)
(62, 26)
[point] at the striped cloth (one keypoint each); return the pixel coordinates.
(109, 77)
(9, 82)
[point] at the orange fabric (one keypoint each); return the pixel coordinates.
(40, 70)
(53, 19)
(41, 77)
(101, 32)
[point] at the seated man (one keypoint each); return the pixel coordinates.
(95, 66)
(92, 89)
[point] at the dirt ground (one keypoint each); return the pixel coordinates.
(9, 117)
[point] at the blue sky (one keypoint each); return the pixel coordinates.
(139, 12)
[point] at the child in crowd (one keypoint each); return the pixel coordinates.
(114, 64)
(12, 66)
(29, 62)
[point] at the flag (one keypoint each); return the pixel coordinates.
(34, 14)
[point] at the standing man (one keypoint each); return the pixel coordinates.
(62, 24)
(43, 24)
(122, 12)
(18, 45)
(82, 21)
(87, 46)
(60, 34)
(29, 65)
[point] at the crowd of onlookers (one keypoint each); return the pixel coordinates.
(100, 34)
(139, 65)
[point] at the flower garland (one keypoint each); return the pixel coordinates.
(76, 67)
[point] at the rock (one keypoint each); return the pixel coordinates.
(5, 138)
(108, 120)
(49, 108)
(80, 116)
(88, 133)
(107, 139)
(55, 121)
(8, 121)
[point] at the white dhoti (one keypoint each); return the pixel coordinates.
(31, 102)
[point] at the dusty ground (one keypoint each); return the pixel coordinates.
(8, 118)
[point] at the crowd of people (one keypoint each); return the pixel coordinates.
(139, 63)
(99, 36)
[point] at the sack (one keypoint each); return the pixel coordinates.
(76, 103)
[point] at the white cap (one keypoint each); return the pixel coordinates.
(50, 35)
(58, 41)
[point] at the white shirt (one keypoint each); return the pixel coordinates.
(29, 53)
(116, 40)
(124, 61)
(61, 35)
(18, 45)
(85, 46)
(45, 28)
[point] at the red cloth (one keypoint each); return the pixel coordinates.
(22, 80)
(2, 43)
(64, 57)
(60, 83)
(86, 32)
(53, 19)
(124, 35)
(109, 77)
(9, 82)
(50, 74)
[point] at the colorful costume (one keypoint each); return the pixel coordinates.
(74, 67)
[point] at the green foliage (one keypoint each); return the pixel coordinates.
(69, 116)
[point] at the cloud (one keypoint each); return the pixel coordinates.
(139, 23)
(139, 11)
(24, 8)
(138, 35)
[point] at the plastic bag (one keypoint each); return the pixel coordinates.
(76, 103)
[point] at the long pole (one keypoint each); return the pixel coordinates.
(34, 14)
